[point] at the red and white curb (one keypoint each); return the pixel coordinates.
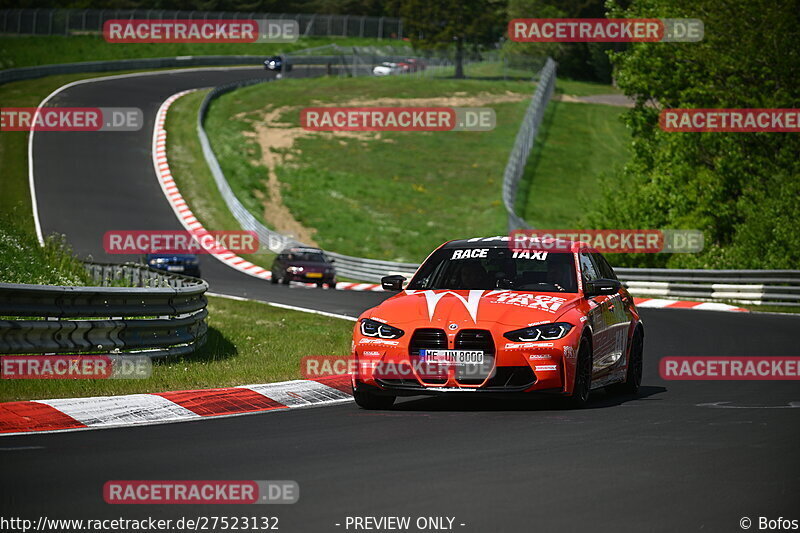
(177, 202)
(45, 416)
(187, 218)
(680, 304)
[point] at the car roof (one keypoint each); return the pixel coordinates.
(301, 250)
(501, 241)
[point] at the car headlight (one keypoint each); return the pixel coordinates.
(158, 261)
(372, 328)
(545, 332)
(294, 270)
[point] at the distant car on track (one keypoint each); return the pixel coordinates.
(186, 264)
(309, 265)
(276, 64)
(387, 69)
(480, 318)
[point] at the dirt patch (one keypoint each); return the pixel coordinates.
(619, 100)
(277, 141)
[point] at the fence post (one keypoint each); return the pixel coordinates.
(380, 28)
(361, 28)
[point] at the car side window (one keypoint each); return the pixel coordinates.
(603, 267)
(588, 268)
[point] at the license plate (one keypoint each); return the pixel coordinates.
(314, 275)
(176, 268)
(457, 357)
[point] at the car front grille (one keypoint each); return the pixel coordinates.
(429, 339)
(476, 339)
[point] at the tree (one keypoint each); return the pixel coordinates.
(585, 61)
(462, 24)
(742, 189)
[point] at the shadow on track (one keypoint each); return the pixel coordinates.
(597, 400)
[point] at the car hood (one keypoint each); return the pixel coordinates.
(472, 308)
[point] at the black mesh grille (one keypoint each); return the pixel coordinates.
(429, 338)
(475, 339)
(512, 376)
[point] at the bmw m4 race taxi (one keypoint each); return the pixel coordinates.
(479, 317)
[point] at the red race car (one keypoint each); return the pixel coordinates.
(479, 317)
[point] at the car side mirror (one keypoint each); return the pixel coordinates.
(601, 286)
(393, 283)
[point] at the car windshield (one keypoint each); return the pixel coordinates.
(311, 257)
(497, 268)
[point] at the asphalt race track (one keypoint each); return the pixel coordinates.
(92, 182)
(683, 456)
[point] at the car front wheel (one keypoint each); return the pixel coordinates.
(583, 376)
(633, 376)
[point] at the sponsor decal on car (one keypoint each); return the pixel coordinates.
(527, 345)
(379, 341)
(470, 253)
(569, 352)
(531, 301)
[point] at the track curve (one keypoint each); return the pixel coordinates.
(669, 460)
(90, 183)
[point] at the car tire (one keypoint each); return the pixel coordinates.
(285, 280)
(371, 401)
(583, 376)
(320, 284)
(633, 376)
(273, 279)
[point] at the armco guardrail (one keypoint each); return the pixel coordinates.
(165, 315)
(80, 21)
(348, 266)
(754, 287)
(523, 144)
(26, 73)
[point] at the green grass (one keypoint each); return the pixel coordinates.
(248, 342)
(398, 197)
(22, 260)
(192, 176)
(25, 51)
(577, 145)
(394, 198)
